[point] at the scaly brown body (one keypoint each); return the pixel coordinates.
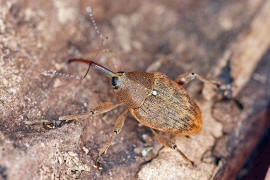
(164, 105)
(154, 99)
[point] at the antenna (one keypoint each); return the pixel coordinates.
(108, 52)
(55, 73)
(93, 22)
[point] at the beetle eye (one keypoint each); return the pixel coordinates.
(114, 82)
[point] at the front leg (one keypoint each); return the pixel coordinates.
(187, 77)
(100, 109)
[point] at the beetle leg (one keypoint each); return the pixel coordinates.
(116, 130)
(157, 64)
(49, 124)
(170, 144)
(52, 124)
(187, 77)
(100, 109)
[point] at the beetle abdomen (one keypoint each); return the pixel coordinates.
(169, 108)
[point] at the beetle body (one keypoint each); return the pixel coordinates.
(158, 102)
(154, 100)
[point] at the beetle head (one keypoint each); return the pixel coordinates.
(131, 87)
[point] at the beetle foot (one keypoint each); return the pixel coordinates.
(97, 164)
(226, 90)
(48, 124)
(53, 124)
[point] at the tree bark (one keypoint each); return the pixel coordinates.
(223, 40)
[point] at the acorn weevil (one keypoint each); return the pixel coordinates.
(154, 99)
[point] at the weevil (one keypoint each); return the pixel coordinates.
(152, 98)
(155, 100)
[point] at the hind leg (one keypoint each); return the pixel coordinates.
(168, 143)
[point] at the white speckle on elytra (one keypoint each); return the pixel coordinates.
(154, 92)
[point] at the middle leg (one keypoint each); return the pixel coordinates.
(116, 130)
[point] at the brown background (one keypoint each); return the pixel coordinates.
(223, 40)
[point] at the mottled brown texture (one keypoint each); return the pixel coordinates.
(171, 110)
(134, 87)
